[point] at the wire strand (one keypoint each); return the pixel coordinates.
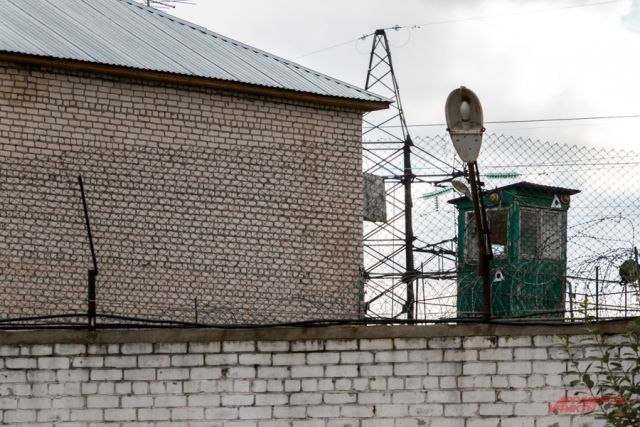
(455, 21)
(559, 119)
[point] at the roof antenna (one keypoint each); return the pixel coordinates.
(91, 285)
(166, 4)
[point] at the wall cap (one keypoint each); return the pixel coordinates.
(119, 336)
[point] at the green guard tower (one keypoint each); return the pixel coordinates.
(528, 224)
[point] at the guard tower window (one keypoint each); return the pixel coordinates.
(497, 225)
(541, 234)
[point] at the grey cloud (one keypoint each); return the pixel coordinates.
(632, 21)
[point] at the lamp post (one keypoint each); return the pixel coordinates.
(465, 126)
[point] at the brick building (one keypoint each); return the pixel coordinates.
(223, 182)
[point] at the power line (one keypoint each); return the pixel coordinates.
(331, 47)
(505, 15)
(561, 119)
(454, 21)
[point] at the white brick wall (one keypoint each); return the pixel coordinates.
(439, 381)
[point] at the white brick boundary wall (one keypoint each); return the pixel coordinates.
(376, 376)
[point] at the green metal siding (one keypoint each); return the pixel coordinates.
(523, 283)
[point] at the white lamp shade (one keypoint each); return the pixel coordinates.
(467, 145)
(465, 123)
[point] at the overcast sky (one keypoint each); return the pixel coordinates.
(524, 59)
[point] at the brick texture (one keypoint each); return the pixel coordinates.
(248, 208)
(285, 385)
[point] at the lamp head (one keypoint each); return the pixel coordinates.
(461, 186)
(465, 123)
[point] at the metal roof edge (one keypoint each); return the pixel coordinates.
(251, 48)
(190, 80)
(522, 184)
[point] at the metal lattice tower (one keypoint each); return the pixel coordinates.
(388, 246)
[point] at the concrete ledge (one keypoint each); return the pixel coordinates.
(116, 336)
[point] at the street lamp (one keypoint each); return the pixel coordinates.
(465, 126)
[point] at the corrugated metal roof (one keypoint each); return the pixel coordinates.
(128, 34)
(539, 187)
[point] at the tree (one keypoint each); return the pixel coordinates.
(612, 379)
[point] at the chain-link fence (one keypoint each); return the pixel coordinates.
(558, 254)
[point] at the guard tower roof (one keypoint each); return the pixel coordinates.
(524, 185)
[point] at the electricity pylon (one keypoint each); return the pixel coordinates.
(388, 247)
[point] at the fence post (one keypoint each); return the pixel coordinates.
(597, 293)
(91, 282)
(91, 293)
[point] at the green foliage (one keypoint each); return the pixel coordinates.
(613, 377)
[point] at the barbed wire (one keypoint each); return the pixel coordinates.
(600, 227)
